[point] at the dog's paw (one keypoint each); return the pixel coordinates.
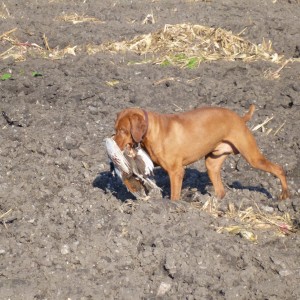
(284, 195)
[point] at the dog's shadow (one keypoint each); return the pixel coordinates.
(110, 183)
(238, 186)
(193, 179)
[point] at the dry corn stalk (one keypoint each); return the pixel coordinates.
(180, 43)
(249, 220)
(259, 219)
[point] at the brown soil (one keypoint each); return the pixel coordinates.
(72, 231)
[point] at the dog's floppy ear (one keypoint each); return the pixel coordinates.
(138, 127)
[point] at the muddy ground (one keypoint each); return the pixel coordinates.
(72, 231)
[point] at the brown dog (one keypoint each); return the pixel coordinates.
(174, 141)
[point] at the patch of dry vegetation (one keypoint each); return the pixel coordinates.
(249, 220)
(188, 45)
(182, 45)
(267, 130)
(18, 51)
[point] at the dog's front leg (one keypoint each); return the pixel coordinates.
(176, 178)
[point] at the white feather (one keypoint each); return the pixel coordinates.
(119, 174)
(117, 156)
(147, 160)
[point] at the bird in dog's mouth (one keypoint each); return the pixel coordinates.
(133, 166)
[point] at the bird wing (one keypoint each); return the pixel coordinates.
(147, 162)
(142, 167)
(148, 183)
(117, 157)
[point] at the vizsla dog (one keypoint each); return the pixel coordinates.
(174, 141)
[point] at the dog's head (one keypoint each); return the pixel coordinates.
(130, 127)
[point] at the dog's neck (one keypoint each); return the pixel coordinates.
(137, 144)
(148, 141)
(147, 122)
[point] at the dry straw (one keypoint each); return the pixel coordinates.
(19, 51)
(249, 220)
(188, 45)
(75, 18)
(182, 45)
(3, 216)
(4, 12)
(266, 130)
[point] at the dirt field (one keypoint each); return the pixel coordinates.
(69, 229)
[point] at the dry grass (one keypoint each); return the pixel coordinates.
(211, 206)
(183, 45)
(75, 18)
(243, 232)
(270, 74)
(12, 52)
(4, 12)
(262, 220)
(112, 83)
(128, 206)
(3, 217)
(267, 130)
(249, 220)
(18, 51)
(6, 36)
(188, 45)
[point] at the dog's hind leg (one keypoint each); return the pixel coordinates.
(247, 146)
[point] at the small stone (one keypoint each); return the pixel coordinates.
(70, 143)
(268, 209)
(278, 262)
(296, 205)
(65, 249)
(2, 251)
(93, 110)
(170, 265)
(285, 272)
(163, 288)
(282, 206)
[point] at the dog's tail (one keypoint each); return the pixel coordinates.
(249, 114)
